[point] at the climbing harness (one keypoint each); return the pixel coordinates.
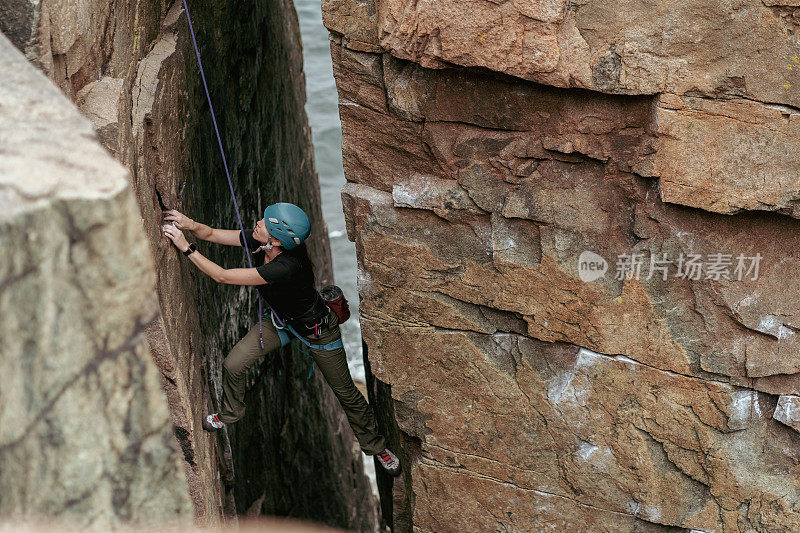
(281, 327)
(224, 164)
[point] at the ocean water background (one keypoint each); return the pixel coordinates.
(322, 107)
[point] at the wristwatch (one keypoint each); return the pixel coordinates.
(192, 248)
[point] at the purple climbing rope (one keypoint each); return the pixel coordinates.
(224, 163)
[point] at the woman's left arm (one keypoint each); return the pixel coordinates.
(233, 276)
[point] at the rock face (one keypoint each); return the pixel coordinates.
(574, 224)
(132, 70)
(86, 435)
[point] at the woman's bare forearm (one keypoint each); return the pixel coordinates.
(207, 266)
(201, 231)
(233, 276)
(219, 236)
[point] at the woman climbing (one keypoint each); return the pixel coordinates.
(285, 278)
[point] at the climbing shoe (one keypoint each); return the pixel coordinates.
(389, 461)
(213, 423)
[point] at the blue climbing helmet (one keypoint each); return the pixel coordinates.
(287, 223)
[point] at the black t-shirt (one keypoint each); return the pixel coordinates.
(289, 287)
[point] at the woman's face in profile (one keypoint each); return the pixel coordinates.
(261, 234)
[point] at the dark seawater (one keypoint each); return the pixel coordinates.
(323, 115)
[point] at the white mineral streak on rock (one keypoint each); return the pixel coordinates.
(784, 110)
(407, 195)
(586, 358)
(750, 299)
(586, 449)
(563, 383)
(557, 386)
(744, 406)
(784, 332)
(769, 324)
(627, 360)
(650, 513)
(772, 325)
(788, 411)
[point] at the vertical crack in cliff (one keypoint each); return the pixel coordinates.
(131, 68)
(254, 71)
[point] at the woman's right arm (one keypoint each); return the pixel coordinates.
(229, 237)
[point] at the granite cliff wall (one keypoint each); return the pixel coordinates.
(490, 146)
(130, 68)
(86, 436)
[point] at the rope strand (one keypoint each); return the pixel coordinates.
(224, 163)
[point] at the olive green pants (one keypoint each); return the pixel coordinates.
(332, 363)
